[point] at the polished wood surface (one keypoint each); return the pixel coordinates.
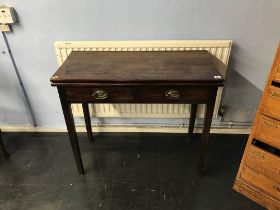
(69, 120)
(272, 101)
(206, 130)
(268, 130)
(277, 75)
(87, 121)
(258, 176)
(138, 77)
(140, 94)
(262, 161)
(192, 118)
(255, 194)
(184, 66)
(261, 181)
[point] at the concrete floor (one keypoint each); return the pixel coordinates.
(123, 171)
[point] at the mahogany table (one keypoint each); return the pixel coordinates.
(174, 77)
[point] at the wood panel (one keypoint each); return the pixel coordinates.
(267, 130)
(261, 160)
(255, 194)
(277, 74)
(272, 102)
(138, 67)
(260, 181)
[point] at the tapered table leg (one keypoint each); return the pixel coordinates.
(87, 122)
(205, 133)
(192, 118)
(4, 151)
(69, 120)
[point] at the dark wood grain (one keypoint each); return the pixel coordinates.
(192, 118)
(139, 94)
(206, 129)
(115, 94)
(2, 147)
(183, 66)
(87, 121)
(66, 108)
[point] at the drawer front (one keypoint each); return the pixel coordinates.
(140, 94)
(268, 130)
(263, 162)
(271, 106)
(101, 95)
(277, 75)
(174, 94)
(260, 181)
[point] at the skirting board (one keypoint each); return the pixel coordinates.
(131, 128)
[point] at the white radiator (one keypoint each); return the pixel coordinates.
(219, 48)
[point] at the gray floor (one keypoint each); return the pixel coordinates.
(123, 171)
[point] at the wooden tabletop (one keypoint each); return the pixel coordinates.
(142, 67)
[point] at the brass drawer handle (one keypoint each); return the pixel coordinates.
(100, 94)
(172, 94)
(276, 188)
(275, 94)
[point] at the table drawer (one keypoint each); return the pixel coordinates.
(149, 94)
(268, 130)
(260, 181)
(263, 162)
(271, 106)
(101, 95)
(174, 94)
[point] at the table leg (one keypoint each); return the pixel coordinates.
(4, 151)
(69, 120)
(192, 118)
(205, 133)
(87, 122)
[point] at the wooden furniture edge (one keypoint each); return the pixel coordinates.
(255, 194)
(240, 185)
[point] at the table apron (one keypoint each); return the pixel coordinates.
(160, 95)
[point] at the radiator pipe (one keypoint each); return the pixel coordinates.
(29, 107)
